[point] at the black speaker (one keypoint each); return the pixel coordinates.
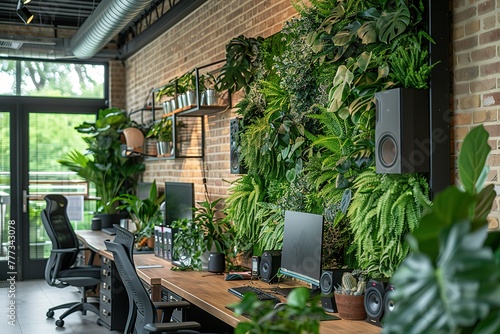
(374, 301)
(270, 262)
(234, 156)
(216, 262)
(388, 300)
(402, 141)
(330, 278)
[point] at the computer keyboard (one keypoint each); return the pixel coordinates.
(261, 295)
(109, 230)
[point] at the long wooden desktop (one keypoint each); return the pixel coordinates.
(205, 290)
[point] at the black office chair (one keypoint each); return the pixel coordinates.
(127, 239)
(62, 270)
(146, 317)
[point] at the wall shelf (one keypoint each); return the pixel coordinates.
(199, 108)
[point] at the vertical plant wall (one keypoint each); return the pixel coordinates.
(308, 124)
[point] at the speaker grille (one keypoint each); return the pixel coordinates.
(388, 151)
(388, 300)
(326, 282)
(269, 265)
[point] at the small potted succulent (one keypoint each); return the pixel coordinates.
(350, 296)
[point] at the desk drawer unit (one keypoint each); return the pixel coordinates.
(208, 322)
(113, 304)
(168, 296)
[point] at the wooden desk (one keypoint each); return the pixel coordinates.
(205, 290)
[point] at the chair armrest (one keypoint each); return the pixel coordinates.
(92, 255)
(171, 326)
(171, 305)
(64, 250)
(167, 308)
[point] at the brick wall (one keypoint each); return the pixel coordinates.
(476, 87)
(198, 40)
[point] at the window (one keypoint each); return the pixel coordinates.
(52, 79)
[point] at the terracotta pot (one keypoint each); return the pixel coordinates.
(351, 307)
(151, 242)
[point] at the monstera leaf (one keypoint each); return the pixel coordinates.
(393, 20)
(457, 293)
(346, 35)
(367, 32)
(457, 289)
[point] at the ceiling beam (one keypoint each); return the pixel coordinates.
(173, 16)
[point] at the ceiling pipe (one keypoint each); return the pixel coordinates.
(108, 19)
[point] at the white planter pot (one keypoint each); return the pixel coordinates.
(180, 101)
(164, 148)
(167, 107)
(210, 97)
(191, 98)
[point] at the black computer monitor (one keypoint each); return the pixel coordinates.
(301, 256)
(179, 201)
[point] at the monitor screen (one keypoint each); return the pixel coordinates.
(302, 246)
(179, 201)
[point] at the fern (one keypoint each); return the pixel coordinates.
(383, 209)
(241, 208)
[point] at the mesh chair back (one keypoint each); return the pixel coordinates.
(127, 239)
(145, 309)
(61, 233)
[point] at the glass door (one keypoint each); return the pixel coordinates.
(51, 136)
(7, 232)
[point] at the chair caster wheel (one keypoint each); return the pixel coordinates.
(50, 314)
(59, 323)
(99, 322)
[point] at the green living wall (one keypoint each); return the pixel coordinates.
(308, 125)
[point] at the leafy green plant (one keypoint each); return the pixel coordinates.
(383, 210)
(103, 164)
(145, 213)
(300, 314)
(168, 90)
(188, 244)
(162, 130)
(409, 62)
(241, 208)
(242, 59)
(457, 289)
(205, 232)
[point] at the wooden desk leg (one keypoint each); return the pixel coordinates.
(156, 292)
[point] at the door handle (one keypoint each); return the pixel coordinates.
(25, 201)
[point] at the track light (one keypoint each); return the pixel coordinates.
(23, 12)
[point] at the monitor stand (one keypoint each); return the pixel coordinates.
(314, 291)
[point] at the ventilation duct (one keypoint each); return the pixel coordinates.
(108, 19)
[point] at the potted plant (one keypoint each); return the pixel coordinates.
(167, 93)
(203, 234)
(209, 94)
(102, 164)
(188, 82)
(163, 132)
(349, 297)
(300, 314)
(145, 214)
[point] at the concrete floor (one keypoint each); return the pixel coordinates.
(32, 299)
